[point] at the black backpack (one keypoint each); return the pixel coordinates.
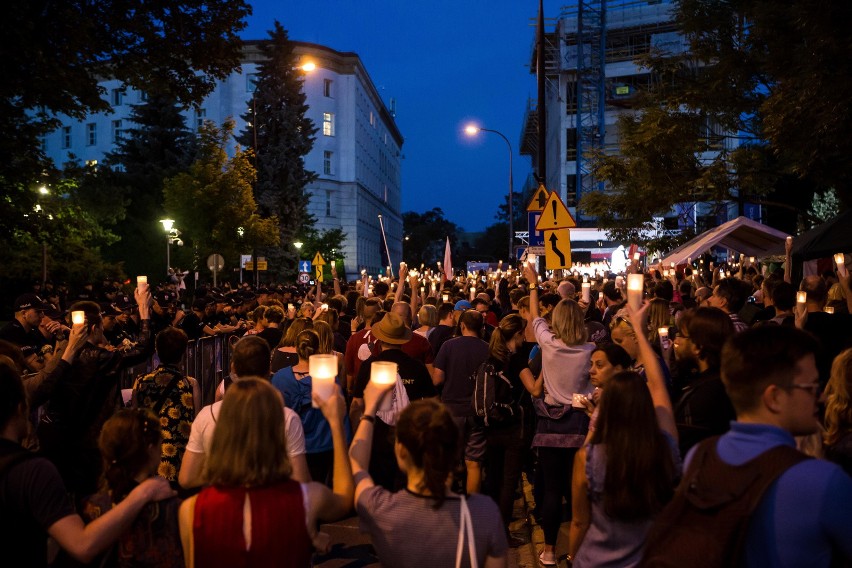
(492, 400)
(706, 522)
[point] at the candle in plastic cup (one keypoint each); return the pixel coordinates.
(801, 297)
(840, 260)
(78, 317)
(384, 373)
(531, 258)
(789, 240)
(586, 288)
(445, 297)
(635, 286)
(751, 260)
(141, 280)
(663, 331)
(829, 309)
(324, 307)
(636, 256)
(664, 337)
(323, 369)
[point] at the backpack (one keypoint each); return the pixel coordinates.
(707, 520)
(492, 400)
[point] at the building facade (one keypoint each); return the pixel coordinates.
(357, 152)
(591, 78)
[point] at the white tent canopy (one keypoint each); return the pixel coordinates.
(741, 235)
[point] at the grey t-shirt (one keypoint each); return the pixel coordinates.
(408, 532)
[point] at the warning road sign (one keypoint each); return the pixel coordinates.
(539, 199)
(555, 215)
(557, 249)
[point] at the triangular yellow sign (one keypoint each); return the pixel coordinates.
(319, 261)
(555, 215)
(539, 199)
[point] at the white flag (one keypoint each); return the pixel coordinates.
(448, 262)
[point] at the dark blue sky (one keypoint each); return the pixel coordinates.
(446, 62)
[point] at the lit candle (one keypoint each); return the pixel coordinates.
(141, 280)
(78, 317)
(586, 291)
(384, 375)
(472, 292)
(840, 260)
(751, 260)
(323, 369)
(789, 240)
(664, 337)
(636, 256)
(401, 265)
(672, 264)
(635, 285)
(445, 297)
(324, 307)
(531, 258)
(829, 309)
(801, 297)
(422, 290)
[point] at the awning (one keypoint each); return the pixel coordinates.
(741, 235)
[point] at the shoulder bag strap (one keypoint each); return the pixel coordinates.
(465, 529)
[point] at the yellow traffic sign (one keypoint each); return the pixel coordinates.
(318, 259)
(557, 249)
(555, 215)
(539, 199)
(318, 269)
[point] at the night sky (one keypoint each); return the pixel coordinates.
(446, 62)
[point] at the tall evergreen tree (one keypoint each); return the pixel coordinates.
(281, 136)
(159, 146)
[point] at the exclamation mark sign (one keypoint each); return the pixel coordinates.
(553, 206)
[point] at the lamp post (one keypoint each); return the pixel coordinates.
(168, 225)
(473, 130)
(298, 245)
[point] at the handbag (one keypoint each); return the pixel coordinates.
(466, 529)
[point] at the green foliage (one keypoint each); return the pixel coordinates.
(426, 236)
(281, 135)
(761, 76)
(824, 207)
(212, 200)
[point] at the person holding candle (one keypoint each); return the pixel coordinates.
(391, 334)
(833, 330)
(295, 384)
(419, 527)
(84, 399)
(561, 429)
(253, 513)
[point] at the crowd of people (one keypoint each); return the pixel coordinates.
(623, 411)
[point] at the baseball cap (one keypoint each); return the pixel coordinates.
(462, 305)
(29, 302)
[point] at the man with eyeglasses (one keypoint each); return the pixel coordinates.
(802, 518)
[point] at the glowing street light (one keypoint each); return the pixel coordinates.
(473, 130)
(309, 66)
(43, 190)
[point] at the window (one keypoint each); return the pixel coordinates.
(328, 204)
(372, 119)
(200, 116)
(326, 87)
(251, 82)
(66, 137)
(117, 97)
(328, 124)
(117, 132)
(326, 162)
(91, 134)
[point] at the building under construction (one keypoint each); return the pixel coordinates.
(591, 76)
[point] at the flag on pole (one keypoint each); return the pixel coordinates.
(448, 262)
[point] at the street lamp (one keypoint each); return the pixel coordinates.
(298, 245)
(473, 130)
(172, 234)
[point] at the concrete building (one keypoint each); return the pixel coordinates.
(591, 78)
(357, 153)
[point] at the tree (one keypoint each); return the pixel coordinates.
(56, 53)
(213, 200)
(159, 147)
(281, 135)
(732, 85)
(328, 243)
(426, 236)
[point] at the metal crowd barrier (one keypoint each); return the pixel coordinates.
(208, 360)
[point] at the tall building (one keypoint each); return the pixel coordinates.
(591, 78)
(357, 153)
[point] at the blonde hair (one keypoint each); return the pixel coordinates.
(658, 316)
(296, 327)
(428, 316)
(838, 399)
(249, 448)
(567, 323)
(326, 336)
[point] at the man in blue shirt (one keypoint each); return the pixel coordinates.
(803, 519)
